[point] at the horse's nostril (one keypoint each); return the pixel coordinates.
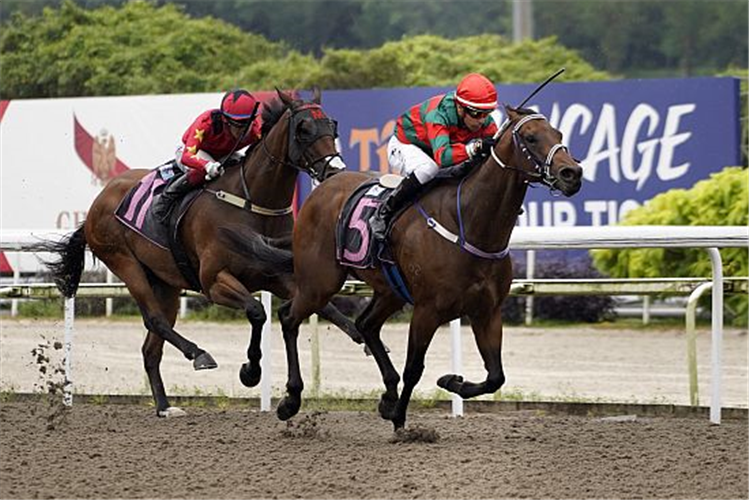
(569, 173)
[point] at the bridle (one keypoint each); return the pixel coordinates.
(323, 127)
(295, 157)
(541, 167)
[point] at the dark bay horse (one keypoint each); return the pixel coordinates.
(447, 276)
(296, 136)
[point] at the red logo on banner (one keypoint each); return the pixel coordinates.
(98, 153)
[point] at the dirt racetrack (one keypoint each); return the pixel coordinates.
(123, 451)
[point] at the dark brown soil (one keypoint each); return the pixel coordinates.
(124, 451)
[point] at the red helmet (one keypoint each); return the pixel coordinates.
(476, 91)
(238, 105)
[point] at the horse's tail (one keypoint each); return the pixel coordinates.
(270, 256)
(68, 268)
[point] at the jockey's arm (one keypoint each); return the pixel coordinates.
(445, 153)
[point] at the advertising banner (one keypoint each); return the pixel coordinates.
(635, 139)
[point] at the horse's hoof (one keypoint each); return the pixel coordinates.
(287, 408)
(386, 408)
(248, 376)
(171, 412)
(451, 383)
(204, 361)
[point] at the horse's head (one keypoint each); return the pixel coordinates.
(538, 151)
(311, 138)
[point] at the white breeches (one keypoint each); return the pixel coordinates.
(405, 159)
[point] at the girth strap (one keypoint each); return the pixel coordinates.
(242, 203)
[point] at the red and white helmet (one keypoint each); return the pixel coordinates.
(476, 91)
(238, 105)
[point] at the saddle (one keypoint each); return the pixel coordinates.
(355, 246)
(134, 212)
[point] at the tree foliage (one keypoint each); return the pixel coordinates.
(722, 200)
(140, 48)
(135, 49)
(424, 60)
(631, 38)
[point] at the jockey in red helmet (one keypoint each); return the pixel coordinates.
(208, 143)
(442, 131)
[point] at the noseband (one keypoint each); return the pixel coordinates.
(541, 168)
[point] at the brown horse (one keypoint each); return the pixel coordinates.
(447, 276)
(296, 136)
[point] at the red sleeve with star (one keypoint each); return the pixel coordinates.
(193, 139)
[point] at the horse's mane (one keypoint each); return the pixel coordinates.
(524, 111)
(272, 112)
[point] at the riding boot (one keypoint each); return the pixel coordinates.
(168, 198)
(400, 197)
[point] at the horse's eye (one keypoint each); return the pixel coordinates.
(530, 139)
(305, 130)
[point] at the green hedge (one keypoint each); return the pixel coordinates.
(721, 200)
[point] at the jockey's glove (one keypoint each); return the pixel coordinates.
(487, 144)
(473, 147)
(213, 169)
(480, 147)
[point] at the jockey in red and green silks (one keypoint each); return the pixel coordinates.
(435, 127)
(442, 131)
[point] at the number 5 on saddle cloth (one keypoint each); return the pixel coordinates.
(355, 246)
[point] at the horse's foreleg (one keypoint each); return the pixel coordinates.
(251, 371)
(420, 334)
(291, 314)
(230, 292)
(290, 404)
(369, 323)
(488, 333)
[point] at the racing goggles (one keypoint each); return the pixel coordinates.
(477, 113)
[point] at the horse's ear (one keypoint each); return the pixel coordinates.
(285, 98)
(510, 112)
(316, 95)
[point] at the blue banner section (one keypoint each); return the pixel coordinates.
(634, 138)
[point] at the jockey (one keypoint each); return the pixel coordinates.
(442, 131)
(208, 142)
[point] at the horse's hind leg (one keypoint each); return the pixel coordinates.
(369, 323)
(487, 330)
(142, 286)
(153, 349)
(228, 291)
